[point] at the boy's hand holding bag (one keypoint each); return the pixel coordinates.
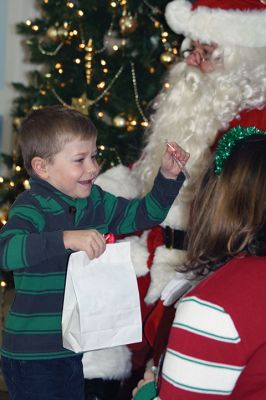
(101, 304)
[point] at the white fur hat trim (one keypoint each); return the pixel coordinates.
(245, 28)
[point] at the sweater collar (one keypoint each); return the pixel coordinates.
(47, 189)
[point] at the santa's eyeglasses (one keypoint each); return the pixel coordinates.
(207, 52)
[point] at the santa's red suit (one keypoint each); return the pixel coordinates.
(197, 108)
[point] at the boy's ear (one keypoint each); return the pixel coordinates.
(39, 166)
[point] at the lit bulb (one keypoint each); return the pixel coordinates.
(101, 85)
(26, 184)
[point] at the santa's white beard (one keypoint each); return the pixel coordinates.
(191, 112)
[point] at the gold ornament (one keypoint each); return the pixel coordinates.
(128, 24)
(81, 104)
(62, 32)
(55, 33)
(51, 33)
(16, 122)
(167, 57)
(88, 61)
(119, 121)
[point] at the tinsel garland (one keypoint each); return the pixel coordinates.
(228, 141)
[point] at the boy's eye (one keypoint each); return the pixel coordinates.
(79, 160)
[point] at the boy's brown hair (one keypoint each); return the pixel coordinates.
(44, 132)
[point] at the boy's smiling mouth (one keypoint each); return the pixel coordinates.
(86, 182)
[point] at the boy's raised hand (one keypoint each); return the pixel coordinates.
(90, 241)
(173, 161)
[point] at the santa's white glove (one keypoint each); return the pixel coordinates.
(175, 289)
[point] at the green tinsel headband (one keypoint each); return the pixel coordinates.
(228, 141)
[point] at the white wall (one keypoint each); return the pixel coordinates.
(13, 67)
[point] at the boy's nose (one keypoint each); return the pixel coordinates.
(93, 167)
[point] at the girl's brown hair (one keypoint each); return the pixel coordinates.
(229, 212)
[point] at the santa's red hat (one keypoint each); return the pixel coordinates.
(226, 22)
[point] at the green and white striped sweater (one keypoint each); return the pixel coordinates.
(31, 245)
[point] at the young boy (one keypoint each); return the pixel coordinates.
(62, 212)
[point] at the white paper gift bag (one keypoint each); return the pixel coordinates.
(101, 304)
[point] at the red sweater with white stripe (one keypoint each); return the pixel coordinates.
(217, 345)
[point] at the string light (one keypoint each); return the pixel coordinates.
(73, 33)
(26, 184)
(145, 124)
(101, 85)
(70, 4)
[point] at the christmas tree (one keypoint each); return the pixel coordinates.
(105, 58)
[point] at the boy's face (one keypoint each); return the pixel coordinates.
(74, 169)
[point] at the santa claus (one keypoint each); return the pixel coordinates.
(219, 82)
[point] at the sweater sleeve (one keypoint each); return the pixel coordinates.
(126, 216)
(204, 357)
(23, 241)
